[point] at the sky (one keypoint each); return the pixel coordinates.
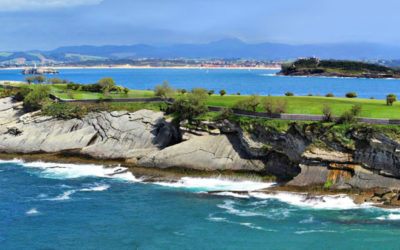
(48, 24)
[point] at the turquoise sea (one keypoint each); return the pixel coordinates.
(261, 82)
(64, 206)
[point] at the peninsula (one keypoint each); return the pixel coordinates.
(337, 68)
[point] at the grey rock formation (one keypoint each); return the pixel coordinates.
(116, 135)
(219, 152)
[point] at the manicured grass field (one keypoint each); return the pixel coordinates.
(296, 104)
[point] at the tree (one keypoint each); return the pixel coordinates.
(280, 106)
(390, 99)
(35, 98)
(164, 90)
(106, 84)
(211, 92)
(55, 80)
(277, 106)
(40, 79)
(351, 95)
(289, 94)
(269, 105)
(250, 102)
(190, 106)
(29, 79)
(126, 91)
(222, 92)
(224, 114)
(329, 95)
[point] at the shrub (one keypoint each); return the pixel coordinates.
(94, 87)
(55, 80)
(238, 93)
(190, 106)
(310, 95)
(390, 99)
(29, 79)
(350, 115)
(164, 90)
(372, 98)
(281, 106)
(211, 92)
(126, 91)
(74, 86)
(329, 95)
(351, 95)
(289, 94)
(22, 92)
(222, 92)
(327, 113)
(34, 100)
(250, 102)
(224, 114)
(269, 105)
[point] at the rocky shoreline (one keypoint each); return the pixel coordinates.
(309, 158)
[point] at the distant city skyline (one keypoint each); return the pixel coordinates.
(48, 24)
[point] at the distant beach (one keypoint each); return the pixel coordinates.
(143, 67)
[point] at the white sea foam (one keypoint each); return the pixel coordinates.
(314, 201)
(95, 188)
(32, 211)
(71, 171)
(216, 184)
(308, 220)
(64, 196)
(314, 231)
(12, 161)
(229, 206)
(389, 217)
(243, 196)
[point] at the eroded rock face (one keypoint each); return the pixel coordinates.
(209, 152)
(101, 135)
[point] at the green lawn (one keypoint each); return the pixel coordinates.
(296, 104)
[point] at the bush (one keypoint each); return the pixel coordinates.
(222, 92)
(94, 87)
(164, 90)
(329, 95)
(250, 102)
(289, 94)
(36, 97)
(350, 115)
(281, 106)
(390, 99)
(269, 105)
(21, 93)
(55, 80)
(106, 84)
(73, 110)
(238, 93)
(211, 92)
(372, 98)
(73, 86)
(327, 113)
(310, 95)
(190, 106)
(224, 114)
(126, 91)
(351, 95)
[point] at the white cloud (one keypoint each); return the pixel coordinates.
(28, 5)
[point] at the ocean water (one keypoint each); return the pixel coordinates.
(65, 206)
(261, 82)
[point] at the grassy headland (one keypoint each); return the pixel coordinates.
(340, 68)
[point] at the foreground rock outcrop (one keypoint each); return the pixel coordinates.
(306, 155)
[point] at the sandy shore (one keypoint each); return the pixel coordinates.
(144, 67)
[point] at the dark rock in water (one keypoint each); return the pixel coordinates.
(39, 71)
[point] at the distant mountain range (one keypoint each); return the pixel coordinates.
(227, 48)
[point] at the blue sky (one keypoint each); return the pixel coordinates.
(47, 24)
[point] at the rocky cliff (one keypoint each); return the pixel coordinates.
(301, 155)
